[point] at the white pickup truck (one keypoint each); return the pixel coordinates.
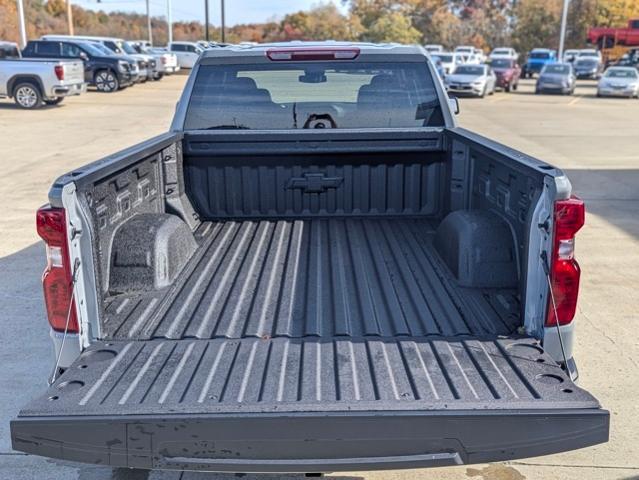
(36, 82)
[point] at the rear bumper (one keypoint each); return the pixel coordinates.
(316, 442)
(68, 90)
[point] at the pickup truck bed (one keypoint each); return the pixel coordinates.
(326, 278)
(314, 324)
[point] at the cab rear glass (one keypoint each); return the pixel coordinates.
(301, 95)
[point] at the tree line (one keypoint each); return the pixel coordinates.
(523, 24)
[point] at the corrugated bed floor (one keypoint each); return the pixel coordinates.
(321, 277)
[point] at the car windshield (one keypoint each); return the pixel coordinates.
(501, 63)
(622, 73)
(291, 96)
(94, 49)
(540, 55)
(127, 48)
(501, 51)
(102, 49)
(557, 69)
(470, 70)
(587, 62)
(588, 54)
(443, 58)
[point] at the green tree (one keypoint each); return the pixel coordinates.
(394, 27)
(536, 24)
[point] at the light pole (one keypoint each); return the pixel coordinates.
(23, 31)
(206, 19)
(562, 34)
(148, 22)
(169, 22)
(70, 17)
(223, 21)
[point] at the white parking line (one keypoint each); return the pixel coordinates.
(575, 100)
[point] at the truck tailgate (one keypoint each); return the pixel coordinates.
(310, 404)
(73, 72)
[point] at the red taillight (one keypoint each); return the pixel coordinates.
(57, 277)
(569, 217)
(59, 72)
(310, 54)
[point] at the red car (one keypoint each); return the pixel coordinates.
(508, 73)
(606, 37)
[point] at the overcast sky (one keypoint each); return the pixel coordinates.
(237, 11)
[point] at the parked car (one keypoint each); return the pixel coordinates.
(619, 82)
(187, 53)
(166, 63)
(557, 78)
(9, 50)
(570, 55)
(587, 67)
(394, 278)
(465, 49)
(33, 83)
(608, 37)
(508, 73)
(107, 72)
(476, 80)
(504, 53)
(146, 63)
(537, 59)
(449, 61)
(172, 65)
(434, 48)
(629, 59)
(590, 53)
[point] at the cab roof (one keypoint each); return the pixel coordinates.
(261, 49)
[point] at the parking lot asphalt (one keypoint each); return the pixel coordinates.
(596, 141)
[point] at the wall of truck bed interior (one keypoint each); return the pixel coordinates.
(142, 184)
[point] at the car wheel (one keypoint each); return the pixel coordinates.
(106, 81)
(54, 101)
(158, 76)
(483, 92)
(27, 95)
(598, 95)
(516, 85)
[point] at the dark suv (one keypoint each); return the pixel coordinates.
(108, 73)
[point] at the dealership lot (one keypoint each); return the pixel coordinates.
(594, 140)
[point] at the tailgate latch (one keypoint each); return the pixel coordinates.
(313, 183)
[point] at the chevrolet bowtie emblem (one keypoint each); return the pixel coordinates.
(314, 183)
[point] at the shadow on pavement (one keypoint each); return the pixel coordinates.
(612, 195)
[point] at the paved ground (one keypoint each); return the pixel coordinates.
(595, 140)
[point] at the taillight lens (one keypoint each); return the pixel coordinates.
(57, 277)
(59, 72)
(310, 54)
(569, 217)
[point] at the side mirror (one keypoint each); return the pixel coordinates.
(84, 56)
(453, 104)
